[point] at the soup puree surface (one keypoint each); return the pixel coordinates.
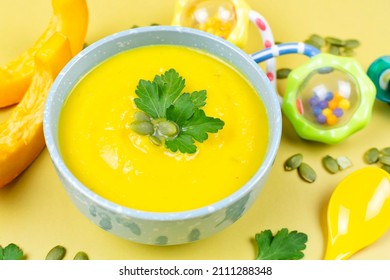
(126, 168)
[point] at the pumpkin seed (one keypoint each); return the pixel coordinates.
(293, 162)
(81, 256)
(372, 156)
(307, 173)
(330, 164)
(317, 39)
(167, 128)
(156, 140)
(142, 127)
(386, 168)
(351, 43)
(335, 50)
(386, 151)
(344, 162)
(348, 52)
(141, 116)
(56, 253)
(313, 43)
(334, 41)
(283, 73)
(385, 160)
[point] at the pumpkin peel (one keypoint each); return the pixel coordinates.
(70, 17)
(21, 135)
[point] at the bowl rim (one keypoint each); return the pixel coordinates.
(151, 215)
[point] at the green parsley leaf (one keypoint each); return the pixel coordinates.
(283, 246)
(199, 125)
(162, 100)
(199, 98)
(156, 96)
(182, 110)
(183, 143)
(11, 252)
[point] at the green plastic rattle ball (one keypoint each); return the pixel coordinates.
(328, 99)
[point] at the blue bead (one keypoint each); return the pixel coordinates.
(323, 104)
(321, 119)
(338, 112)
(317, 110)
(314, 101)
(329, 96)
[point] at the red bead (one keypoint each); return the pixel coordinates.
(261, 24)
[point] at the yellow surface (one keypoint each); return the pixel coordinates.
(148, 177)
(36, 213)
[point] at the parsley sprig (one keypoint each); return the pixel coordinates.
(11, 252)
(171, 117)
(284, 245)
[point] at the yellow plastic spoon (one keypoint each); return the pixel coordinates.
(358, 212)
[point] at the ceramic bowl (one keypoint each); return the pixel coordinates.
(149, 227)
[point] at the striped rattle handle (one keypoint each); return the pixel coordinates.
(286, 48)
(271, 50)
(268, 41)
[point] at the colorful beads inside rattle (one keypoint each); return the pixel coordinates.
(328, 98)
(214, 16)
(327, 106)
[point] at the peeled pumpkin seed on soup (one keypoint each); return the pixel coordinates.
(142, 127)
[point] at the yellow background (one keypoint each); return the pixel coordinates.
(36, 213)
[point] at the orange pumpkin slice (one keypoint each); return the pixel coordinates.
(21, 135)
(70, 17)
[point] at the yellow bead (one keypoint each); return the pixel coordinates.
(344, 104)
(327, 112)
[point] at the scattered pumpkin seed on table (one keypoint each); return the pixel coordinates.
(81, 256)
(283, 73)
(385, 160)
(330, 164)
(307, 173)
(293, 162)
(372, 156)
(386, 168)
(386, 151)
(56, 253)
(343, 162)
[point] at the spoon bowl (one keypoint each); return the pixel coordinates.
(358, 212)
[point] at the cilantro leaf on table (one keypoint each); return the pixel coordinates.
(11, 252)
(172, 117)
(283, 246)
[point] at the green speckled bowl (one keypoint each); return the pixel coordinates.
(150, 227)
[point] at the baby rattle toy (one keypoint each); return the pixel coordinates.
(326, 100)
(379, 73)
